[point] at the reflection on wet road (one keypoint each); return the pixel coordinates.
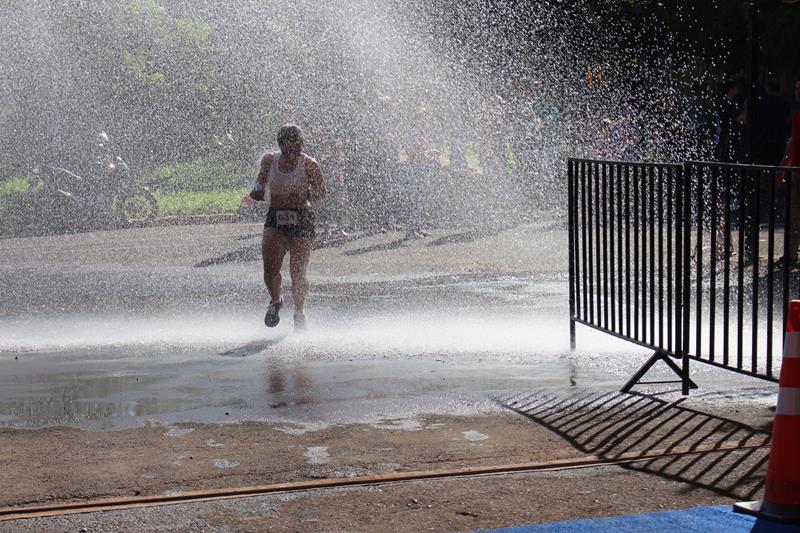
(290, 386)
(347, 368)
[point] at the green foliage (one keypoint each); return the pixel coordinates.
(472, 157)
(200, 202)
(13, 186)
(201, 174)
(10, 193)
(194, 32)
(127, 63)
(137, 67)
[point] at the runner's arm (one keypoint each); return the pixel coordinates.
(260, 186)
(317, 190)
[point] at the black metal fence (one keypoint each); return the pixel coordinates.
(685, 259)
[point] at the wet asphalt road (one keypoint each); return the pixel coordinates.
(113, 329)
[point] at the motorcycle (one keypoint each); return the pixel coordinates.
(130, 204)
(61, 201)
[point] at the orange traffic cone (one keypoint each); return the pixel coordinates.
(782, 490)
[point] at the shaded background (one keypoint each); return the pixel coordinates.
(192, 92)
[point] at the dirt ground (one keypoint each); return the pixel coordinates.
(66, 464)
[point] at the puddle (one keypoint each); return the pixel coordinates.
(175, 490)
(301, 428)
(408, 424)
(177, 432)
(224, 463)
(474, 436)
(317, 455)
(386, 468)
(344, 471)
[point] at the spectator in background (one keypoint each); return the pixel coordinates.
(616, 139)
(525, 136)
(700, 127)
(414, 173)
(771, 127)
(731, 118)
(793, 159)
(494, 158)
(336, 210)
(793, 146)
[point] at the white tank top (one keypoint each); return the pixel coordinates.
(282, 183)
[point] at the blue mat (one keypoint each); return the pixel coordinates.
(719, 519)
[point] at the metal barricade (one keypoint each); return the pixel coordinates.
(685, 259)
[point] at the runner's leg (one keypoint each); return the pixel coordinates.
(274, 246)
(299, 254)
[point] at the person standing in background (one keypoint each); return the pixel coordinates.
(792, 159)
(731, 117)
(772, 127)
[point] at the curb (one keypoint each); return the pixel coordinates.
(183, 220)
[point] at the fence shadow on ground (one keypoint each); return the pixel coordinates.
(242, 255)
(329, 241)
(614, 423)
(466, 237)
(253, 251)
(381, 247)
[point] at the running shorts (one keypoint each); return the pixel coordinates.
(295, 223)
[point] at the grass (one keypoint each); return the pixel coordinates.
(211, 202)
(13, 186)
(201, 174)
(199, 202)
(203, 186)
(10, 192)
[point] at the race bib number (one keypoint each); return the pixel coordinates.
(287, 218)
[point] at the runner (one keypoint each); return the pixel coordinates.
(292, 181)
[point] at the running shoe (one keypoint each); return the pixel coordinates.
(300, 322)
(272, 317)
